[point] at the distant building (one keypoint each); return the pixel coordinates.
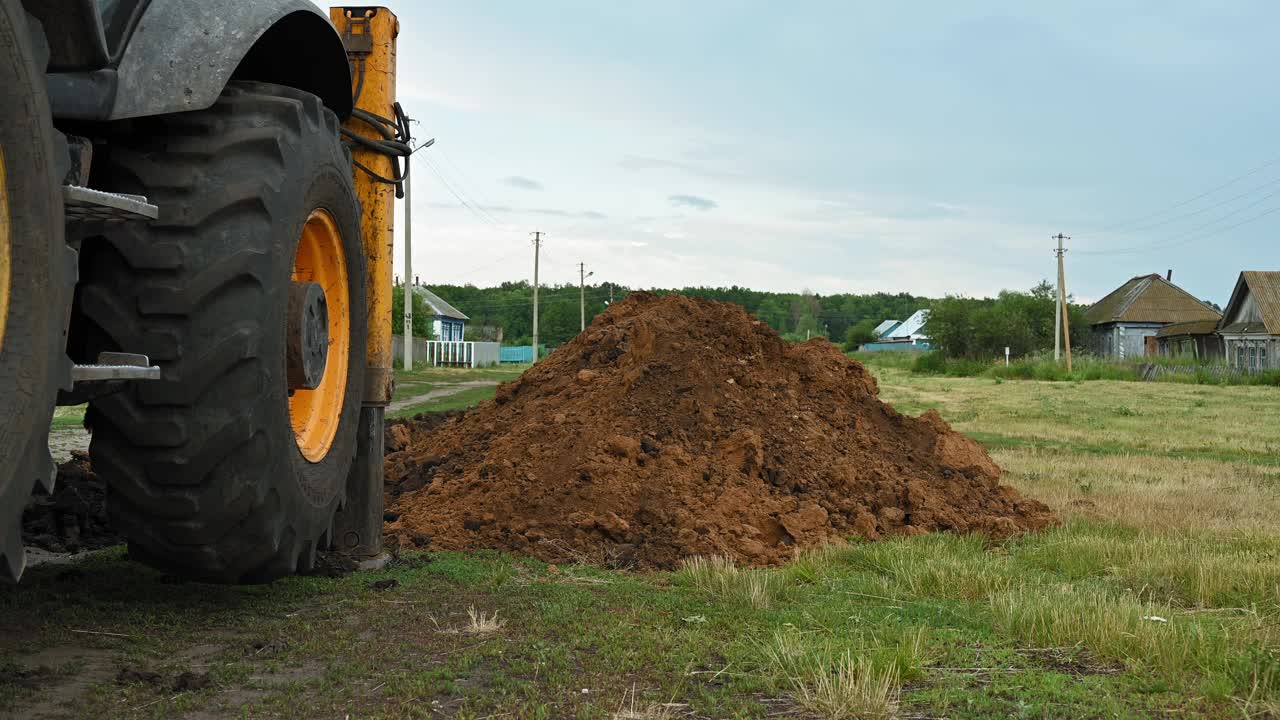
(448, 323)
(1250, 327)
(910, 330)
(905, 335)
(1126, 322)
(1197, 339)
(882, 330)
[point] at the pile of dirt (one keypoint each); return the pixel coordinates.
(74, 518)
(676, 427)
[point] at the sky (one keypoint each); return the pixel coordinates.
(925, 147)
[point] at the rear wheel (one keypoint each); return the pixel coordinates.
(37, 270)
(249, 293)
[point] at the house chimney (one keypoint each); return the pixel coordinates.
(1169, 276)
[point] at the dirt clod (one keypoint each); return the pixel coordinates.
(134, 676)
(192, 682)
(74, 518)
(630, 445)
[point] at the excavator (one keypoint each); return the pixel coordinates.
(196, 206)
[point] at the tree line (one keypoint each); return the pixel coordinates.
(977, 328)
(509, 306)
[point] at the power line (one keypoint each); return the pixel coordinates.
(1206, 208)
(1182, 203)
(1178, 239)
(458, 196)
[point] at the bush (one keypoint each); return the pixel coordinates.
(932, 363)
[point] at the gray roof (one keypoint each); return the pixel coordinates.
(883, 328)
(912, 327)
(440, 307)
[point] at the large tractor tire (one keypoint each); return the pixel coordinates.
(37, 271)
(228, 469)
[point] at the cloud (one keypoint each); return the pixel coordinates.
(523, 183)
(693, 201)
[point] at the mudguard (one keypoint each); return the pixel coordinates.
(182, 53)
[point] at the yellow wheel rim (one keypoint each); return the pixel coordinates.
(6, 254)
(321, 259)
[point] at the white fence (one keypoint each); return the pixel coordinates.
(449, 353)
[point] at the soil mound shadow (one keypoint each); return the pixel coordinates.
(676, 427)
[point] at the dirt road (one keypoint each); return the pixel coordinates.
(440, 391)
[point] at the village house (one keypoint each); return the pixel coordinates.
(1250, 326)
(911, 330)
(905, 335)
(448, 323)
(1126, 322)
(1197, 339)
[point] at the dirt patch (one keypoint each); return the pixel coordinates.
(74, 518)
(676, 427)
(65, 674)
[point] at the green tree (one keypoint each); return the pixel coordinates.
(982, 328)
(422, 315)
(860, 334)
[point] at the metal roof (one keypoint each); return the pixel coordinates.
(883, 328)
(912, 326)
(1194, 327)
(1264, 286)
(1149, 299)
(440, 307)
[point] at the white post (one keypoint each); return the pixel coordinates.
(1006, 356)
(408, 269)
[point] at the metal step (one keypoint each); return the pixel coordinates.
(87, 205)
(116, 366)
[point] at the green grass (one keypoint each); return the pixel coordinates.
(68, 417)
(1158, 595)
(427, 374)
(458, 401)
(1084, 367)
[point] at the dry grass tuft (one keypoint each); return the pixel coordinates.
(847, 688)
(718, 576)
(481, 623)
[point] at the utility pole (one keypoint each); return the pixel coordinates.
(582, 293)
(1062, 321)
(408, 269)
(1057, 304)
(537, 246)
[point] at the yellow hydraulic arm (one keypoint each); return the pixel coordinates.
(371, 44)
(370, 37)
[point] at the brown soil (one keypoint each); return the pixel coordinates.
(676, 427)
(74, 518)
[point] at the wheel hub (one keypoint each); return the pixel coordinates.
(307, 352)
(318, 335)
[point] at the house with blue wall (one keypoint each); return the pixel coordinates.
(448, 323)
(905, 335)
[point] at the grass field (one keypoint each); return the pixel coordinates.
(1158, 596)
(423, 380)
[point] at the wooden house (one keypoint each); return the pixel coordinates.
(1250, 327)
(1198, 339)
(1126, 322)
